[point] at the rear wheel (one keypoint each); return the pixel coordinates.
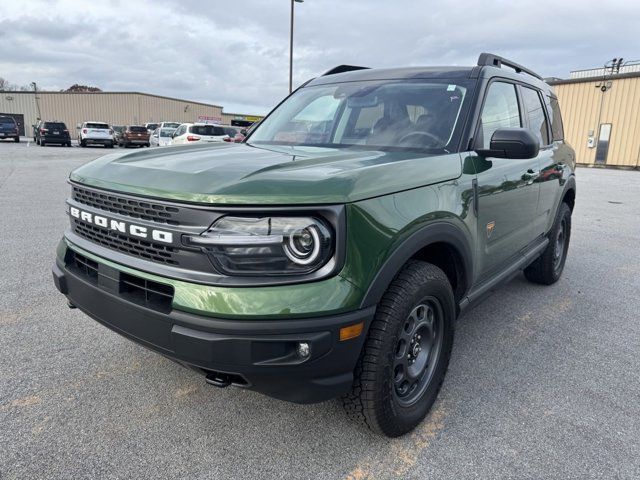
(83, 143)
(42, 143)
(406, 354)
(548, 268)
(17, 139)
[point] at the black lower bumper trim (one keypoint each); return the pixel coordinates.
(258, 354)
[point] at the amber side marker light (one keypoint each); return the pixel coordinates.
(352, 331)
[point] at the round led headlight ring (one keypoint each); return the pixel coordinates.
(309, 248)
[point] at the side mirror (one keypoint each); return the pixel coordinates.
(517, 143)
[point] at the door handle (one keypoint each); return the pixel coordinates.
(531, 175)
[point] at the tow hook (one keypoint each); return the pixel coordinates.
(217, 379)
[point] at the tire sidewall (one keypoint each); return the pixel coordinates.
(406, 417)
(563, 213)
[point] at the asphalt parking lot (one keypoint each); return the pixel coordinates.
(544, 382)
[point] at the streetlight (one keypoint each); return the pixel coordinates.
(291, 47)
(35, 96)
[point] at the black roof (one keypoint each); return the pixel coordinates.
(403, 73)
(489, 65)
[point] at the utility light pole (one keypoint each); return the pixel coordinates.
(291, 46)
(35, 96)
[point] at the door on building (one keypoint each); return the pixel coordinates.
(19, 118)
(602, 149)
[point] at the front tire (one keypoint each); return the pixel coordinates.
(548, 268)
(406, 353)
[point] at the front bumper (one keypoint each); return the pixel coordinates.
(255, 353)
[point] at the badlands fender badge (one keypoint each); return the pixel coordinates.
(490, 227)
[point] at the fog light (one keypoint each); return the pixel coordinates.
(303, 350)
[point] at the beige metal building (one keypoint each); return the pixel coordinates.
(115, 108)
(601, 115)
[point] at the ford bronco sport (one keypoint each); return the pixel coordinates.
(330, 253)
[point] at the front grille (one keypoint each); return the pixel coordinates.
(147, 293)
(127, 206)
(139, 248)
(83, 265)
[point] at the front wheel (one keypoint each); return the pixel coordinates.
(406, 354)
(548, 268)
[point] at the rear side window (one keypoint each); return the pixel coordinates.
(500, 111)
(97, 125)
(206, 130)
(138, 129)
(557, 129)
(535, 112)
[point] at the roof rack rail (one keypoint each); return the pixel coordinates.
(489, 59)
(342, 68)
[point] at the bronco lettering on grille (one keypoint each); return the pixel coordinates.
(122, 227)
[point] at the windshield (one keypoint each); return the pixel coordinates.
(413, 115)
(167, 132)
(173, 125)
(151, 126)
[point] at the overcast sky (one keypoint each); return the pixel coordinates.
(235, 53)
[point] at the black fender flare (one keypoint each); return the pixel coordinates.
(569, 185)
(438, 232)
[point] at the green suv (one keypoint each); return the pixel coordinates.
(330, 254)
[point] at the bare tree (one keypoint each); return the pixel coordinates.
(6, 84)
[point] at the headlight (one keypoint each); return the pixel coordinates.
(267, 245)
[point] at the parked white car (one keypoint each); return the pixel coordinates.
(161, 137)
(172, 125)
(194, 133)
(95, 133)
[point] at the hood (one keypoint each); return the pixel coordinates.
(241, 174)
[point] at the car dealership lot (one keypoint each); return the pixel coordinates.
(543, 382)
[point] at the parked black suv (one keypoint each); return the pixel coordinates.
(9, 128)
(52, 132)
